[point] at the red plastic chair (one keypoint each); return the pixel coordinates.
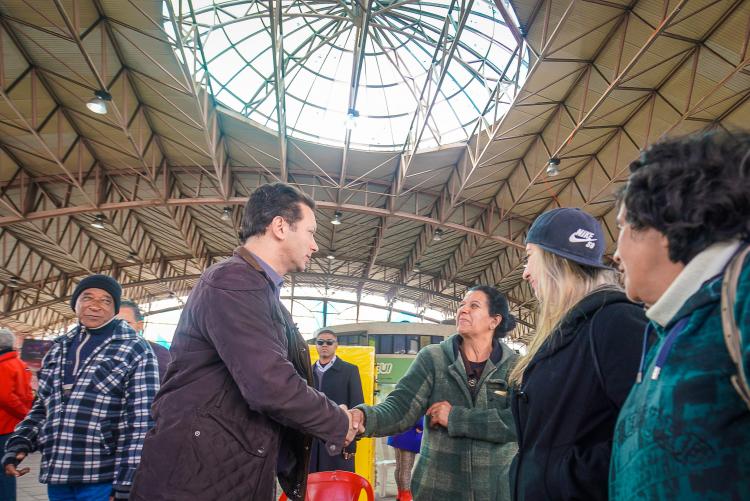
(335, 486)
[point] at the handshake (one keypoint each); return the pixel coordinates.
(356, 424)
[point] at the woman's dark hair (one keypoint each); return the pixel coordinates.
(498, 304)
(269, 201)
(695, 190)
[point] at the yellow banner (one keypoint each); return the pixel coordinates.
(364, 358)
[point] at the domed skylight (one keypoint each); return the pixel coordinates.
(411, 68)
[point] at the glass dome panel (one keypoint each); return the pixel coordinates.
(445, 57)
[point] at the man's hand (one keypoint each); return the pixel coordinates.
(352, 433)
(12, 471)
(438, 413)
(358, 420)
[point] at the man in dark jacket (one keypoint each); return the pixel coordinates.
(132, 314)
(339, 381)
(238, 405)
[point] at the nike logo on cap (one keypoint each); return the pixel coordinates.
(581, 235)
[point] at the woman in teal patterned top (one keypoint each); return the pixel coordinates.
(684, 432)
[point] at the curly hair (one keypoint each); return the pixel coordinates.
(498, 305)
(695, 190)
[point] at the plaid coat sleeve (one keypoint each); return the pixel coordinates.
(140, 388)
(26, 432)
(407, 402)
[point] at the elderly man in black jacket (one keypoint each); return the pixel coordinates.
(238, 406)
(339, 381)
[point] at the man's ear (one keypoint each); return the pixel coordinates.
(278, 227)
(663, 240)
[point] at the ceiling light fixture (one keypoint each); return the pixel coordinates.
(438, 236)
(417, 266)
(336, 218)
(352, 117)
(14, 282)
(331, 256)
(98, 104)
(132, 257)
(552, 167)
(99, 222)
(226, 215)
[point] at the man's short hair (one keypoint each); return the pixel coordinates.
(129, 303)
(695, 190)
(269, 201)
(7, 338)
(326, 331)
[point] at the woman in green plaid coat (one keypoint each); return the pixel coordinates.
(461, 385)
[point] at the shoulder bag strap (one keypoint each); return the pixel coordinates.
(732, 336)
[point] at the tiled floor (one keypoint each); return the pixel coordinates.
(29, 488)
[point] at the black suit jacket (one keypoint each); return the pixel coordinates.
(342, 384)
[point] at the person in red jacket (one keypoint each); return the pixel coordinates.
(15, 400)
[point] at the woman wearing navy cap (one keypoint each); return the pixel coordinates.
(580, 365)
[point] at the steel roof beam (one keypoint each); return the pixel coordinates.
(508, 19)
(442, 58)
(119, 117)
(279, 65)
(610, 88)
(362, 14)
(157, 202)
(475, 150)
(212, 132)
(477, 157)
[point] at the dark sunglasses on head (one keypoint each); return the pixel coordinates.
(329, 342)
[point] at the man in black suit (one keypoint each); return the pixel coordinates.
(339, 381)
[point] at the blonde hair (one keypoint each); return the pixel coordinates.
(561, 285)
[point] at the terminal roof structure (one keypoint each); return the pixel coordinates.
(425, 128)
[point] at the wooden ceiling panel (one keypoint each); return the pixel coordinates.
(737, 118)
(14, 64)
(604, 81)
(698, 17)
(587, 27)
(554, 79)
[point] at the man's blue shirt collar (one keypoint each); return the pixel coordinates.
(277, 279)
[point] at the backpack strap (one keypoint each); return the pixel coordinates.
(732, 335)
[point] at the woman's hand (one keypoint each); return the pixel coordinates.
(358, 420)
(438, 413)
